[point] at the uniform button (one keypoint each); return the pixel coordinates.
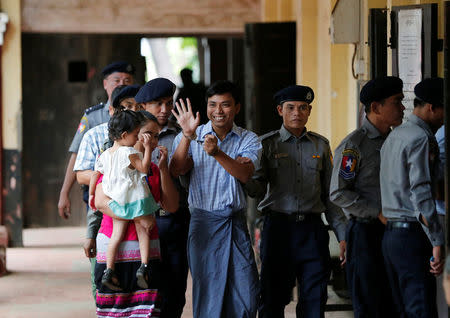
(298, 164)
(298, 180)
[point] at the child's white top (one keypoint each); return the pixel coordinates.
(127, 187)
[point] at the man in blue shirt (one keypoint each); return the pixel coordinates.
(220, 157)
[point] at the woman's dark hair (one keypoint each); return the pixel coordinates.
(123, 121)
(146, 116)
(223, 87)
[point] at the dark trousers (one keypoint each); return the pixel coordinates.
(407, 253)
(366, 274)
(293, 251)
(173, 231)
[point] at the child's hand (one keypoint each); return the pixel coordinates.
(146, 140)
(92, 202)
(163, 156)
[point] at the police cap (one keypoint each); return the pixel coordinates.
(431, 90)
(380, 88)
(119, 66)
(122, 92)
(154, 89)
(297, 93)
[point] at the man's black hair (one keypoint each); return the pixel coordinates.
(420, 103)
(367, 107)
(223, 87)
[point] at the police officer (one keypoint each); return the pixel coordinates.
(156, 97)
(355, 187)
(409, 161)
(294, 175)
(114, 74)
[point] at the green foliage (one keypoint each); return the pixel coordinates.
(189, 43)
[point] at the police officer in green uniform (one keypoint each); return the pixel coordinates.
(413, 239)
(355, 187)
(294, 177)
(114, 74)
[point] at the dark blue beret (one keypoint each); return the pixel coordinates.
(154, 89)
(120, 66)
(380, 88)
(431, 90)
(297, 93)
(122, 92)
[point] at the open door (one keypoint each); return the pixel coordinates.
(270, 64)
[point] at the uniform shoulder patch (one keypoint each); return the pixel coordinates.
(312, 133)
(94, 108)
(269, 134)
(83, 124)
(349, 161)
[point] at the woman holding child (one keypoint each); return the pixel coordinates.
(127, 269)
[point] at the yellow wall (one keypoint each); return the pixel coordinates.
(11, 72)
(327, 67)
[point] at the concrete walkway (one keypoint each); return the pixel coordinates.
(50, 277)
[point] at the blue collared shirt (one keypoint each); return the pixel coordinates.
(90, 147)
(211, 186)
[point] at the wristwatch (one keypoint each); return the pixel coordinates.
(191, 137)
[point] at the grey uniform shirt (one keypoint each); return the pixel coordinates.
(294, 174)
(355, 182)
(92, 117)
(409, 162)
(166, 138)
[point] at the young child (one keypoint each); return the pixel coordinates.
(124, 170)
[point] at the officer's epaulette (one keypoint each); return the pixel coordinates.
(93, 108)
(357, 136)
(269, 134)
(319, 136)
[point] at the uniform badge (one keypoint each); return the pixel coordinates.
(308, 96)
(82, 125)
(348, 164)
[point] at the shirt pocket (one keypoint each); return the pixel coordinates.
(312, 172)
(281, 168)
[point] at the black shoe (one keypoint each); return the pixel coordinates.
(142, 276)
(110, 280)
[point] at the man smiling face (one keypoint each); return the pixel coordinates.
(221, 110)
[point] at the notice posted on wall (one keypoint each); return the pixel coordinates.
(409, 52)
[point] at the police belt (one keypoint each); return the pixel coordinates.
(402, 224)
(364, 220)
(295, 217)
(162, 213)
